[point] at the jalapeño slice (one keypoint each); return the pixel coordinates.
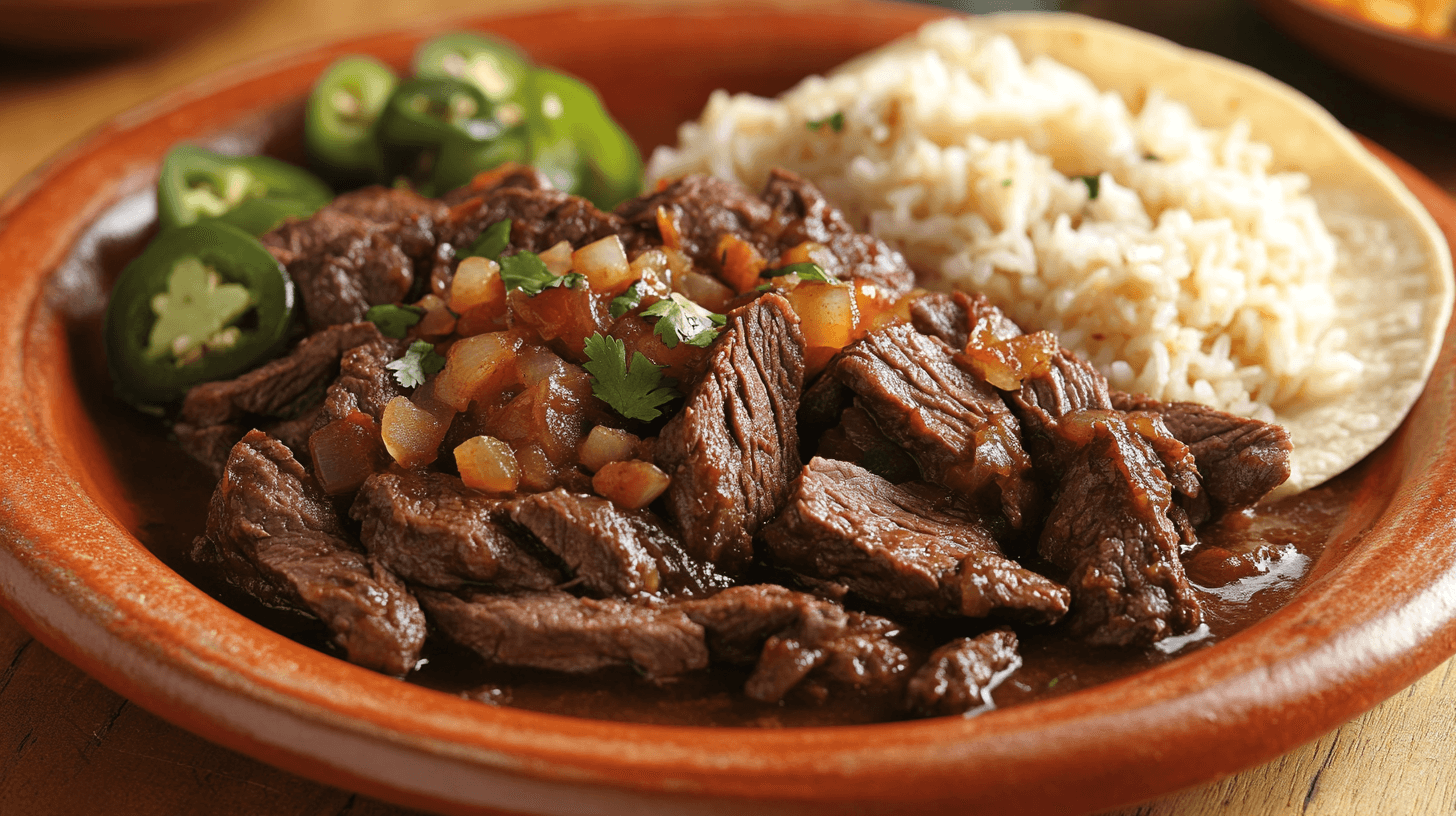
(253, 193)
(202, 302)
(343, 107)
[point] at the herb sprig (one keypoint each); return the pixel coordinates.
(637, 392)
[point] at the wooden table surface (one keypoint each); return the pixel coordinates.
(69, 745)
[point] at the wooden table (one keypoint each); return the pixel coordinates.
(69, 745)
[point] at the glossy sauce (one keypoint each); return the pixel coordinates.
(1247, 566)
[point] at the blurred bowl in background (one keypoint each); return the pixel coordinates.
(105, 25)
(1413, 66)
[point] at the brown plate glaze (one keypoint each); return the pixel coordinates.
(1378, 610)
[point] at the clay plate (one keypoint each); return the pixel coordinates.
(1416, 67)
(1378, 610)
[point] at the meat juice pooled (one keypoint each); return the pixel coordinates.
(825, 498)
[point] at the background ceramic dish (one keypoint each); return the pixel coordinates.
(1378, 610)
(1418, 68)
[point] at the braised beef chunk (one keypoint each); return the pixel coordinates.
(960, 676)
(540, 218)
(216, 414)
(733, 448)
(1109, 528)
(955, 425)
(1241, 460)
(364, 384)
(910, 548)
(611, 551)
(953, 317)
(430, 529)
(702, 209)
(509, 174)
(859, 440)
(561, 632)
(802, 213)
(273, 533)
(791, 212)
(794, 636)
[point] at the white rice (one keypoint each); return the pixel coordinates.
(1197, 273)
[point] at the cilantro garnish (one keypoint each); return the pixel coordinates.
(635, 394)
(492, 242)
(627, 301)
(1094, 183)
(527, 272)
(835, 122)
(805, 272)
(418, 362)
(680, 319)
(1006, 182)
(393, 320)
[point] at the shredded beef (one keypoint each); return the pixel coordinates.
(955, 425)
(273, 533)
(611, 551)
(909, 548)
(794, 636)
(733, 448)
(960, 676)
(430, 529)
(561, 632)
(1241, 459)
(1109, 528)
(215, 415)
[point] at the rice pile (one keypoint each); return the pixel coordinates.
(1195, 272)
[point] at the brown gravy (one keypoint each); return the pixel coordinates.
(1246, 566)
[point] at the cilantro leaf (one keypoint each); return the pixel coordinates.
(1094, 184)
(804, 271)
(492, 242)
(835, 122)
(394, 320)
(635, 394)
(418, 362)
(627, 301)
(527, 272)
(680, 319)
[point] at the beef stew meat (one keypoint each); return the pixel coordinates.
(587, 458)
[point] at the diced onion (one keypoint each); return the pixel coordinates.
(668, 227)
(438, 321)
(604, 263)
(605, 445)
(558, 258)
(630, 485)
(345, 452)
(652, 268)
(488, 464)
(826, 312)
(742, 263)
(411, 435)
(474, 363)
(704, 290)
(477, 282)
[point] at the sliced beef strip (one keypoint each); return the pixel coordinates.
(909, 548)
(960, 676)
(364, 384)
(611, 551)
(802, 213)
(1110, 529)
(955, 425)
(215, 415)
(734, 447)
(561, 632)
(273, 533)
(795, 637)
(1241, 459)
(430, 529)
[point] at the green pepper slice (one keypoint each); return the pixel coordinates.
(197, 184)
(497, 68)
(201, 302)
(427, 112)
(343, 107)
(576, 144)
(463, 155)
